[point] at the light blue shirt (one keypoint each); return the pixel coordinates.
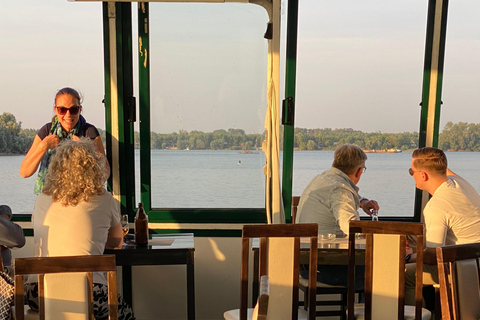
(331, 200)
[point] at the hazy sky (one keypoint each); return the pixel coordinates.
(360, 63)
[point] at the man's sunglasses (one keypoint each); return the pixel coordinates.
(412, 172)
(73, 110)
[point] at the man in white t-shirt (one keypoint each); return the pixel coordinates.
(452, 215)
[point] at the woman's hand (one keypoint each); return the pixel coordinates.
(50, 142)
(34, 156)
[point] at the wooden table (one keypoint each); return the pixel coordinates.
(330, 252)
(162, 249)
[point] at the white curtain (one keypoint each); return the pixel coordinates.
(271, 145)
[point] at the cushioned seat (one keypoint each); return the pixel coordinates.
(235, 314)
(409, 313)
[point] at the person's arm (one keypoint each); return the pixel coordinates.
(115, 237)
(435, 235)
(30, 164)
(436, 226)
(343, 208)
(367, 205)
(451, 173)
(11, 234)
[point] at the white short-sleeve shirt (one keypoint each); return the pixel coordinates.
(452, 215)
(68, 231)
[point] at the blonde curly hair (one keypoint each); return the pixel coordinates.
(76, 172)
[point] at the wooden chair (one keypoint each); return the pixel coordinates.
(52, 294)
(279, 258)
(336, 295)
(459, 278)
(385, 271)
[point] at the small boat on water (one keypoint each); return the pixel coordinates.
(392, 150)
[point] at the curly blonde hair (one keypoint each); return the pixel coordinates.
(76, 172)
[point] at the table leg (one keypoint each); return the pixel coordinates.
(127, 284)
(190, 286)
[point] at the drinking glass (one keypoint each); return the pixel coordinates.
(125, 224)
(327, 236)
(374, 215)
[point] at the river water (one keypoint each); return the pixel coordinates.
(229, 179)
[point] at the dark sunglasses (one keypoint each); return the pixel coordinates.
(73, 110)
(412, 172)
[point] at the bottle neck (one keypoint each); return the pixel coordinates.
(140, 214)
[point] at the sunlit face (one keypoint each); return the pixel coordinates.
(68, 120)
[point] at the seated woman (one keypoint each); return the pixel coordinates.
(75, 215)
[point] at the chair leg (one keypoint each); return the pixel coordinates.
(438, 308)
(305, 300)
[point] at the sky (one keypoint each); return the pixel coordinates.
(360, 63)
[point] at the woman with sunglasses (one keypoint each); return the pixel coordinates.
(67, 123)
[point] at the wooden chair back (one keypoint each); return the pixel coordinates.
(384, 284)
(459, 278)
(283, 271)
(295, 201)
(44, 267)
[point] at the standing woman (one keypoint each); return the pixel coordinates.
(68, 123)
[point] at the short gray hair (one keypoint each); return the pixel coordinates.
(348, 158)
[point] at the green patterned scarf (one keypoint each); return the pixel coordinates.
(58, 130)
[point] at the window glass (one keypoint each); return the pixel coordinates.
(208, 104)
(360, 68)
(460, 115)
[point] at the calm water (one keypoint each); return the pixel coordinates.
(229, 179)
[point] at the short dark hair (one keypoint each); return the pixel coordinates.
(348, 158)
(430, 159)
(4, 209)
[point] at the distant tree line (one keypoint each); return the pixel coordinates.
(231, 139)
(460, 136)
(328, 139)
(14, 139)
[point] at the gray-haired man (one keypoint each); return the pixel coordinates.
(331, 200)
